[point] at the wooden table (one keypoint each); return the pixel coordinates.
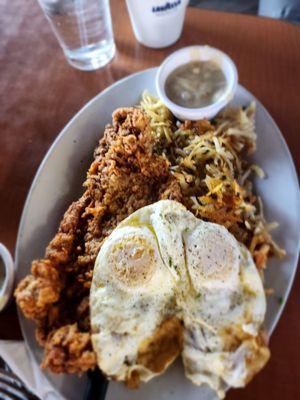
(40, 92)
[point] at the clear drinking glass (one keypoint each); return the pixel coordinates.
(83, 29)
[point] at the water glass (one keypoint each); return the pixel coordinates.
(83, 29)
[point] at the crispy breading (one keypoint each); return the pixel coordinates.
(39, 290)
(69, 350)
(124, 176)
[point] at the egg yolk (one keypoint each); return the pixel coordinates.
(212, 257)
(132, 260)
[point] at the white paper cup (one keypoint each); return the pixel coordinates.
(157, 23)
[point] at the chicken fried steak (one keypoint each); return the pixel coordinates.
(124, 176)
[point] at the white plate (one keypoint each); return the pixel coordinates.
(58, 182)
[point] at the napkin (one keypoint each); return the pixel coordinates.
(21, 362)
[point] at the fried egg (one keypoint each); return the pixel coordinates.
(224, 311)
(165, 283)
(132, 295)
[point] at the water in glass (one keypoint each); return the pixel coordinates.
(83, 29)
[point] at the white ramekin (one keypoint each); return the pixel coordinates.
(8, 283)
(195, 53)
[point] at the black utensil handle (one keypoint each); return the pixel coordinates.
(97, 386)
(11, 387)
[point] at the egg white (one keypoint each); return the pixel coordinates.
(163, 261)
(227, 310)
(126, 309)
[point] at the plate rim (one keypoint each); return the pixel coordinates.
(59, 137)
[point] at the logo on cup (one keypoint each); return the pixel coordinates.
(170, 5)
